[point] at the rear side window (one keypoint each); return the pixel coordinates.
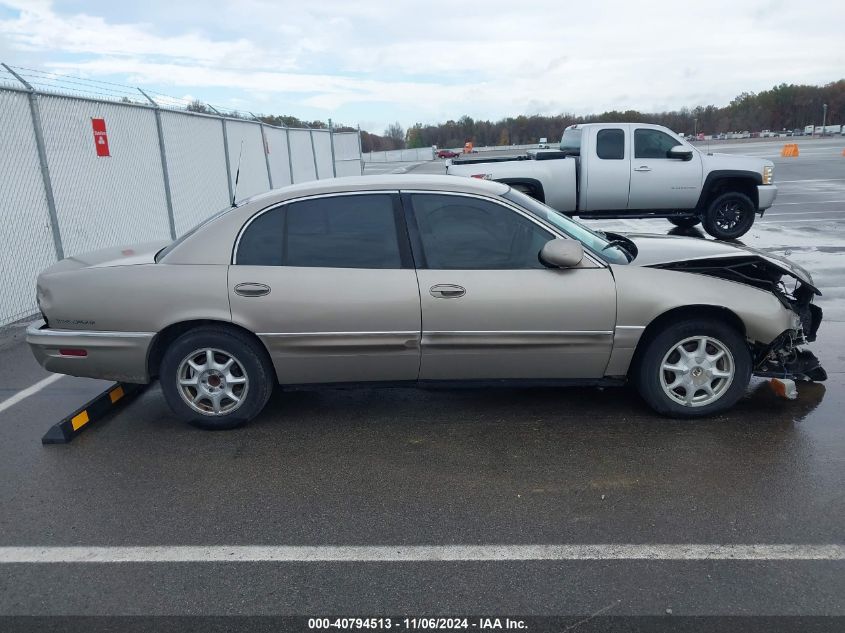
(358, 231)
(610, 144)
(462, 233)
(261, 242)
(653, 143)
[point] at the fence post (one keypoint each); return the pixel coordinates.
(35, 111)
(167, 197)
(331, 140)
(314, 154)
(290, 159)
(226, 155)
(360, 151)
(266, 150)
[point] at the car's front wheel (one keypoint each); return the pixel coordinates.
(729, 216)
(694, 368)
(216, 378)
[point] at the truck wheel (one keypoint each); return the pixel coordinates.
(685, 223)
(216, 378)
(694, 368)
(729, 216)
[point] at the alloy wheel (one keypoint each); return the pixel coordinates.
(212, 382)
(697, 371)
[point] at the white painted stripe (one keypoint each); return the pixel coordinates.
(765, 221)
(812, 180)
(783, 204)
(839, 211)
(26, 393)
(415, 553)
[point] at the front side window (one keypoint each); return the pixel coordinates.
(610, 144)
(354, 231)
(462, 233)
(653, 143)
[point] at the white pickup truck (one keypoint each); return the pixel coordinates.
(636, 170)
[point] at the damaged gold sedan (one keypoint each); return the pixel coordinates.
(406, 280)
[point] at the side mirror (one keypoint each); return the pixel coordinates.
(681, 152)
(560, 253)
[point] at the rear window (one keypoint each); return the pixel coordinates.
(167, 249)
(571, 142)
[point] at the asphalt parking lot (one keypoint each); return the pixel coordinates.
(400, 468)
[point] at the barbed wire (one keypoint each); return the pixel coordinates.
(49, 82)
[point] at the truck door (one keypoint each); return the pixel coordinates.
(660, 182)
(606, 171)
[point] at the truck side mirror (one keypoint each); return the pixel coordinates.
(681, 152)
(560, 253)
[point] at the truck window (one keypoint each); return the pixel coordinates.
(653, 143)
(610, 144)
(571, 142)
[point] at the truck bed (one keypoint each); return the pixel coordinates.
(530, 155)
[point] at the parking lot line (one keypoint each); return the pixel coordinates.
(417, 553)
(783, 204)
(780, 182)
(25, 393)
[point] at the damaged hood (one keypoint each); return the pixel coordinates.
(660, 250)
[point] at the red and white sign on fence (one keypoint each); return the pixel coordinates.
(101, 139)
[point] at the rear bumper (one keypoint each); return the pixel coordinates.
(766, 195)
(120, 356)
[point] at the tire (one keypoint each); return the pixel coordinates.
(729, 216)
(249, 378)
(655, 383)
(685, 223)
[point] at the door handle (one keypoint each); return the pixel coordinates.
(447, 291)
(250, 289)
(642, 168)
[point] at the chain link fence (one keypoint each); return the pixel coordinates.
(83, 171)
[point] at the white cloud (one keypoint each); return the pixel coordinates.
(439, 59)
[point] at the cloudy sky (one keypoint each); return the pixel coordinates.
(370, 62)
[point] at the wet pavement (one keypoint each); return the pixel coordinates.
(449, 467)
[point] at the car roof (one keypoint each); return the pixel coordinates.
(381, 182)
(211, 242)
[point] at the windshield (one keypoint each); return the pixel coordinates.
(596, 242)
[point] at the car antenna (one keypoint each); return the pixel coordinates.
(237, 174)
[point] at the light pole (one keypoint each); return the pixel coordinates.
(824, 117)
(695, 127)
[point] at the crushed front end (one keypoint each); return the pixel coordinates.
(793, 287)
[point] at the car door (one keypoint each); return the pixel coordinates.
(328, 284)
(490, 309)
(606, 171)
(660, 182)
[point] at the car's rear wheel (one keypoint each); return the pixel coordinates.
(685, 223)
(216, 378)
(694, 368)
(729, 216)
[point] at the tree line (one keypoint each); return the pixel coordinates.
(787, 106)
